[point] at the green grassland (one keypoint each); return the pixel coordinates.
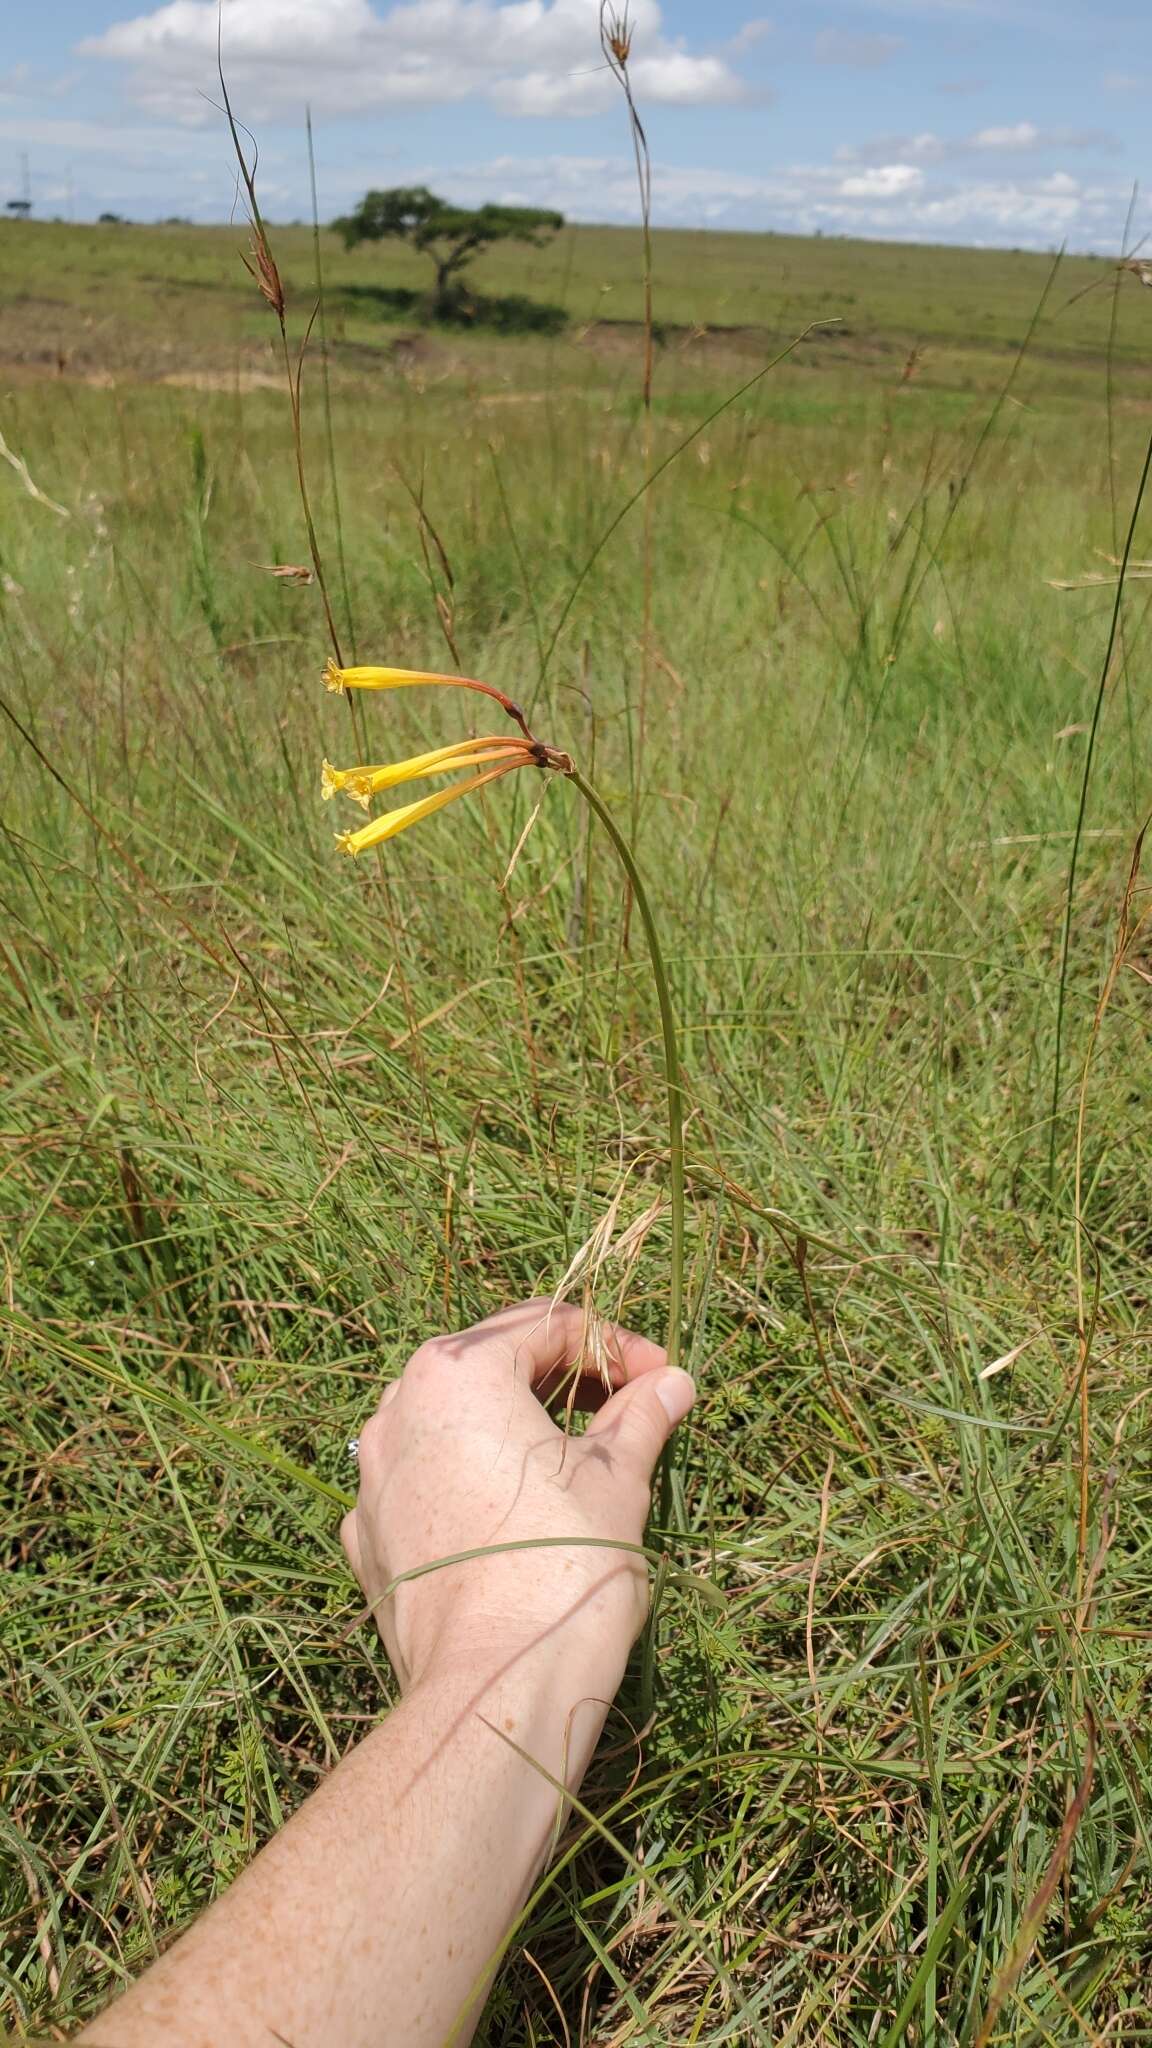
(270, 1116)
(136, 298)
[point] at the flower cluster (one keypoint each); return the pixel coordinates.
(486, 758)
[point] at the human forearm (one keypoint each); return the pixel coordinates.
(398, 1881)
(374, 1918)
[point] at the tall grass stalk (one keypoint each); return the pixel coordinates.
(1105, 675)
(672, 1075)
(262, 265)
(616, 44)
(1129, 929)
(326, 393)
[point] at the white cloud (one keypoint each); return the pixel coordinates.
(750, 34)
(150, 169)
(135, 167)
(885, 181)
(534, 57)
(22, 83)
(861, 52)
(1021, 138)
(131, 142)
(1024, 135)
(898, 201)
(924, 148)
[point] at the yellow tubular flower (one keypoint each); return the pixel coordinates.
(337, 678)
(393, 822)
(382, 678)
(362, 783)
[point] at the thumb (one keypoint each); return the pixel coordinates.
(638, 1421)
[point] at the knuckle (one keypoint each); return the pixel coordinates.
(370, 1436)
(427, 1360)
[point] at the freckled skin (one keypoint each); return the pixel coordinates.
(372, 1920)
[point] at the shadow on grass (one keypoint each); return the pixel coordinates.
(511, 314)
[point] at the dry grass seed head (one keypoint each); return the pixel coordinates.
(616, 34)
(260, 261)
(599, 1250)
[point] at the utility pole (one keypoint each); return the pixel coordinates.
(22, 207)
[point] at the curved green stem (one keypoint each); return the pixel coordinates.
(671, 1058)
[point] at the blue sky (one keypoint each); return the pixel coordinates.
(1011, 122)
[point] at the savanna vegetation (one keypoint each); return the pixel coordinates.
(270, 1116)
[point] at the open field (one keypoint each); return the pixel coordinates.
(151, 300)
(269, 1116)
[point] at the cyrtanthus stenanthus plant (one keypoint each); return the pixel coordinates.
(475, 762)
(487, 759)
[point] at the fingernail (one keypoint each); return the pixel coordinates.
(675, 1391)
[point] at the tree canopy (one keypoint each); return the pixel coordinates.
(450, 235)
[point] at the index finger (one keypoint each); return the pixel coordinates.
(546, 1340)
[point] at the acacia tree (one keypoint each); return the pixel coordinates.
(450, 235)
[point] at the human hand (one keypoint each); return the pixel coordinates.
(441, 1818)
(461, 1455)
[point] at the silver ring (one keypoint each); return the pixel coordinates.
(353, 1448)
